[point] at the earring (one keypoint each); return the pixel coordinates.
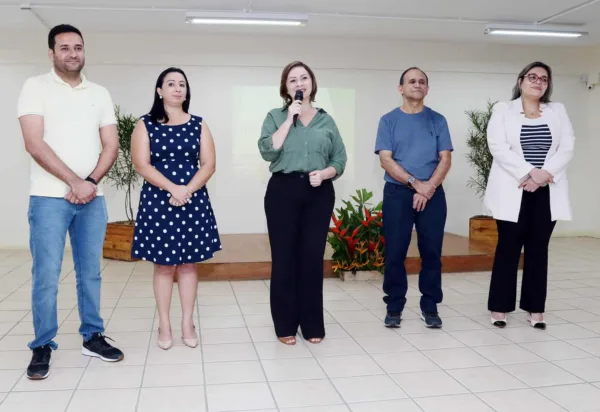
(160, 97)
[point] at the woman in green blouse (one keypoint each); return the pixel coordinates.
(305, 158)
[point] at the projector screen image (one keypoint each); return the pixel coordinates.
(250, 107)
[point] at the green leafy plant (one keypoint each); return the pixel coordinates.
(357, 239)
(479, 155)
(123, 175)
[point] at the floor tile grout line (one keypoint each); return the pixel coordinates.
(256, 350)
(377, 363)
(139, 395)
(549, 386)
(23, 374)
(17, 323)
(553, 339)
(315, 379)
(16, 289)
(329, 378)
(537, 390)
(572, 373)
(12, 270)
(316, 358)
(476, 394)
(89, 362)
(422, 351)
(446, 371)
(534, 388)
(200, 343)
(383, 353)
(556, 339)
(471, 392)
(74, 390)
(15, 385)
(545, 361)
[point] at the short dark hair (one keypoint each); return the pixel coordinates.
(158, 112)
(517, 89)
(60, 29)
(409, 69)
(283, 85)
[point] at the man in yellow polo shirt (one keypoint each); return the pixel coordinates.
(69, 128)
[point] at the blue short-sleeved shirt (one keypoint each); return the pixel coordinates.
(415, 141)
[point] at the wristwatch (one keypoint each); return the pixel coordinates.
(411, 180)
(91, 179)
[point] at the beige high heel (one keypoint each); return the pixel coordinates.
(537, 324)
(499, 323)
(193, 342)
(166, 344)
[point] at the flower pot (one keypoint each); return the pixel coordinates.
(360, 275)
(118, 240)
(483, 229)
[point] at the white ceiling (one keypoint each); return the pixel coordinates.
(438, 20)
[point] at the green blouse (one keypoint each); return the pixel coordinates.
(306, 148)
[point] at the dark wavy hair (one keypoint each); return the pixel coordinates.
(158, 113)
(517, 89)
(287, 99)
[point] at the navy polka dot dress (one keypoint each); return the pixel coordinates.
(171, 235)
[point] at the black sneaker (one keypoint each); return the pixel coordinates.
(393, 319)
(39, 367)
(98, 347)
(431, 319)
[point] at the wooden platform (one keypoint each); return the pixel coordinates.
(248, 256)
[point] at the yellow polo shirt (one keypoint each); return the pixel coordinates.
(73, 117)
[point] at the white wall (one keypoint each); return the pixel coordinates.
(593, 148)
(462, 77)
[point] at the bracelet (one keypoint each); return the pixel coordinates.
(91, 179)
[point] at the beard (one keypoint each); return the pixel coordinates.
(71, 67)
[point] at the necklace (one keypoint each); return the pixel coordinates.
(532, 114)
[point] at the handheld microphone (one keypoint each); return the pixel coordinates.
(299, 96)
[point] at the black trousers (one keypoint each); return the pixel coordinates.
(298, 217)
(532, 232)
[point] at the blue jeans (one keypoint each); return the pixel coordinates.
(398, 220)
(49, 220)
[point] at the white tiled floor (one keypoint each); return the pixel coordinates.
(360, 367)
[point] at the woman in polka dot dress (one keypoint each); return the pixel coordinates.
(175, 224)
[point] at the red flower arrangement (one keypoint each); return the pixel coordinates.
(356, 237)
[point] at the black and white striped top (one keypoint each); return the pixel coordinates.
(536, 140)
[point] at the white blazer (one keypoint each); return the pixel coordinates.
(509, 168)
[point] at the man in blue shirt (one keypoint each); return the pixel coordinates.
(414, 147)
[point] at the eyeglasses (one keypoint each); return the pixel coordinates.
(534, 78)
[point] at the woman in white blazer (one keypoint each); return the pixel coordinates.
(531, 140)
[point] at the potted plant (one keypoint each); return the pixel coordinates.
(123, 176)
(481, 227)
(356, 238)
